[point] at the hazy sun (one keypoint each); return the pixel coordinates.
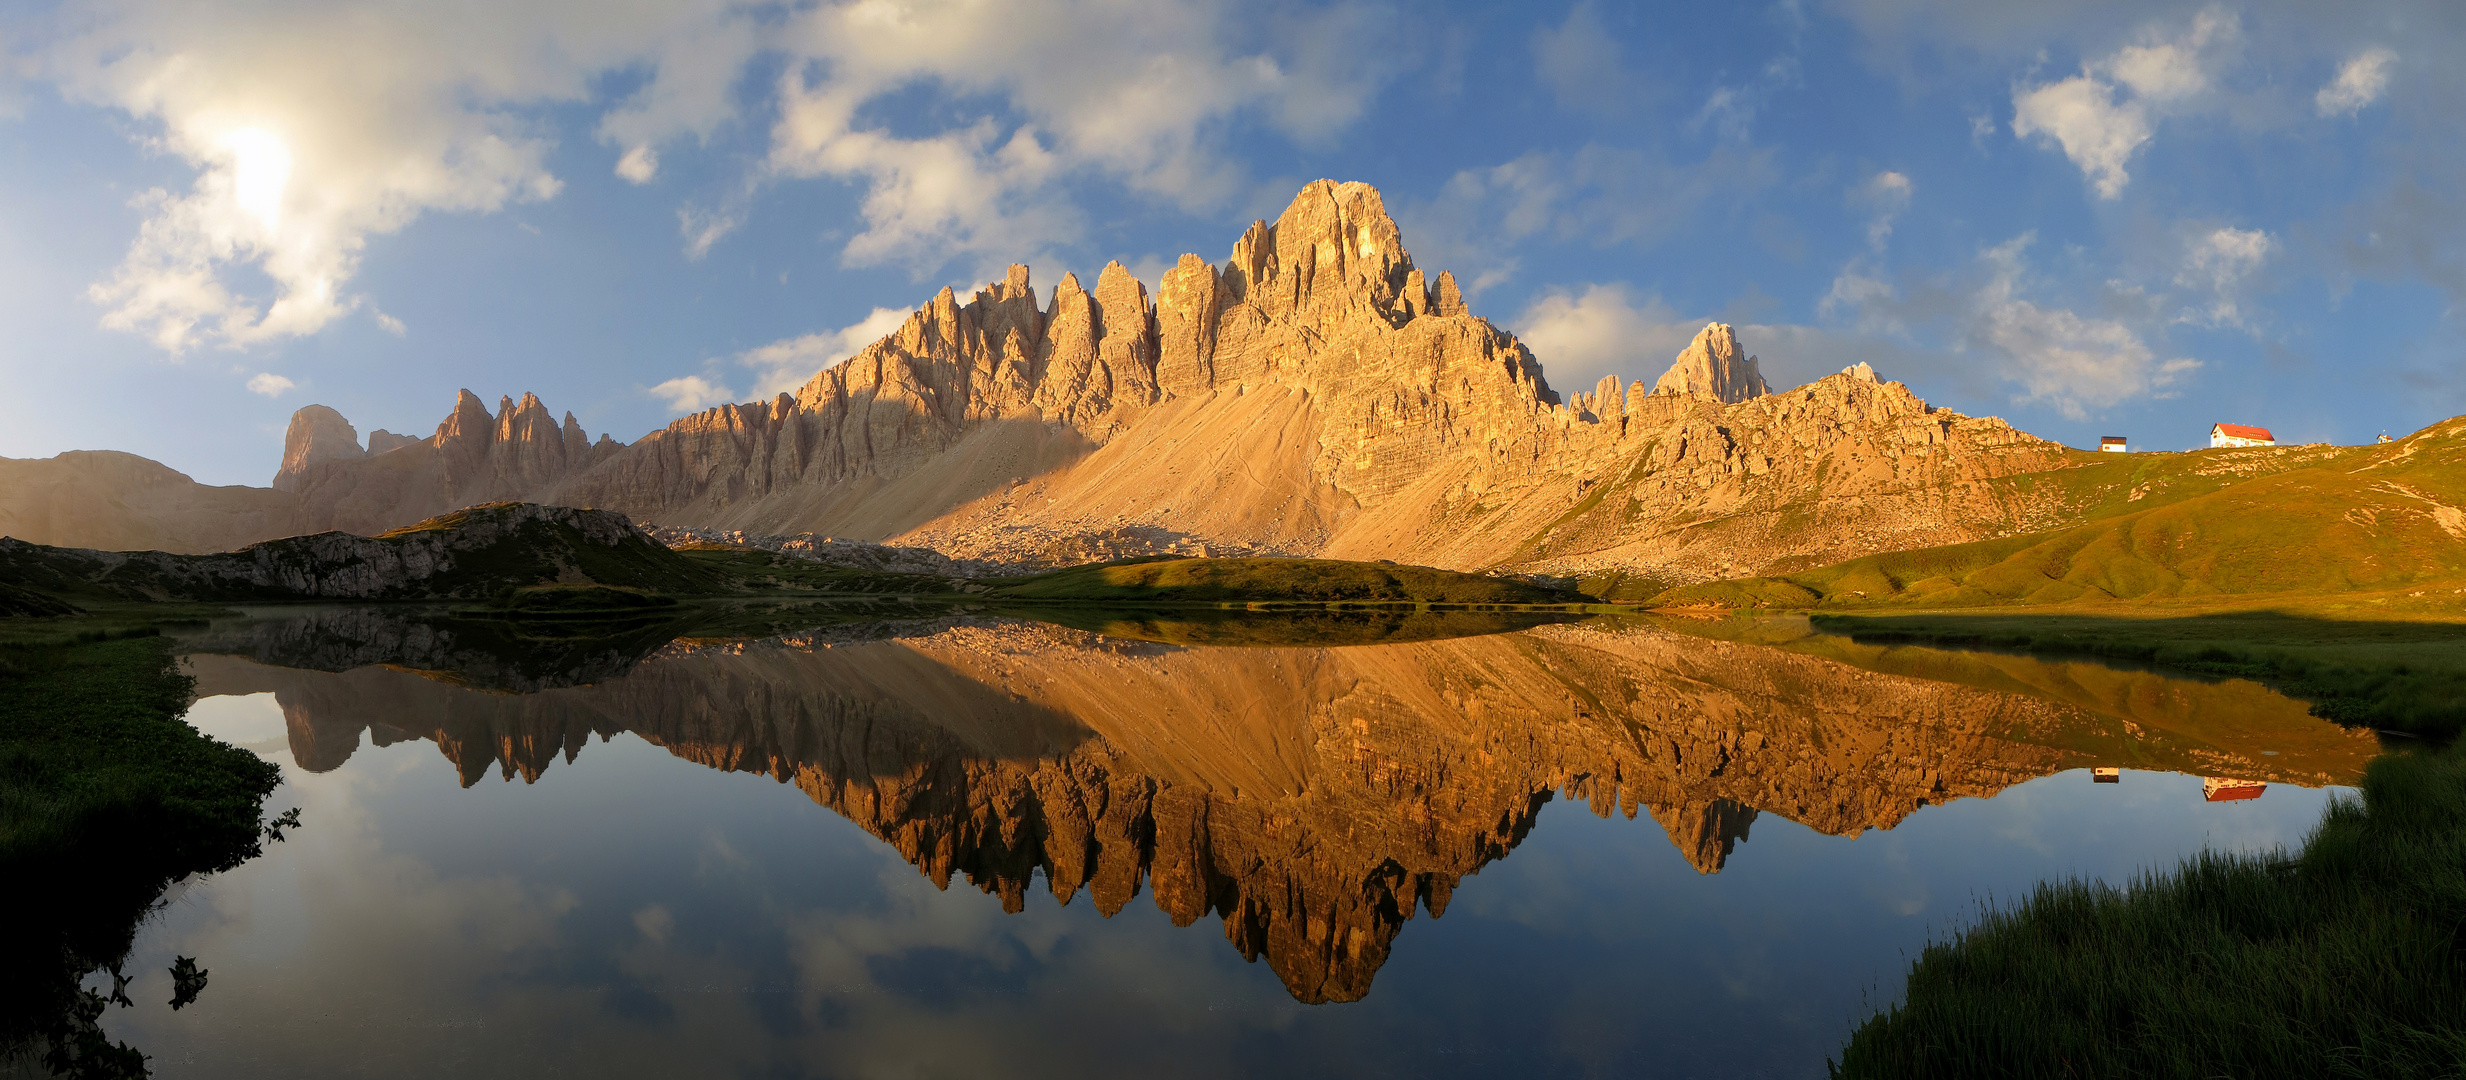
(262, 168)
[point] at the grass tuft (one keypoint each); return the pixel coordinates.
(2345, 959)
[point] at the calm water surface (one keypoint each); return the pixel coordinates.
(983, 847)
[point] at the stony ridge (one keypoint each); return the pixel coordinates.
(470, 553)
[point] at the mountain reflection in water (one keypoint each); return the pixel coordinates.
(1315, 798)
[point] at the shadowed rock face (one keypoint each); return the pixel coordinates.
(1312, 799)
(475, 457)
(121, 502)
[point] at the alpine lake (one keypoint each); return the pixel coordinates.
(928, 842)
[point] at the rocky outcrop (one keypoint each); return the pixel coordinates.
(470, 553)
(317, 435)
(1315, 800)
(1713, 366)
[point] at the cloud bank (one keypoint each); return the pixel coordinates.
(313, 127)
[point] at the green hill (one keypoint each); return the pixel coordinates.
(2388, 518)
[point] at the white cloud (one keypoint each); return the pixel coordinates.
(692, 394)
(314, 126)
(2218, 262)
(1143, 83)
(2056, 357)
(1602, 194)
(639, 165)
(1582, 334)
(1857, 289)
(2081, 115)
(1579, 61)
(1885, 195)
(1603, 330)
(779, 367)
(390, 324)
(269, 384)
(782, 366)
(2102, 116)
(2360, 82)
(2062, 359)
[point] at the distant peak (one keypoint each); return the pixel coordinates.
(1713, 365)
(317, 434)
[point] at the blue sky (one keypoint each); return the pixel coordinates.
(2095, 218)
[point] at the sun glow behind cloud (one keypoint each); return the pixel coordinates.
(261, 169)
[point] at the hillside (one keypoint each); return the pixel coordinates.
(2384, 518)
(472, 553)
(122, 502)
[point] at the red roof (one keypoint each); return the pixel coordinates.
(2239, 431)
(2221, 789)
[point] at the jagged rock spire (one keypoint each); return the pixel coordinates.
(1714, 366)
(317, 434)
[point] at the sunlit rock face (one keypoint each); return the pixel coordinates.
(1312, 799)
(1314, 393)
(317, 435)
(1713, 366)
(1317, 393)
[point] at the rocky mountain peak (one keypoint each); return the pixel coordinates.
(1713, 366)
(1333, 243)
(317, 434)
(470, 419)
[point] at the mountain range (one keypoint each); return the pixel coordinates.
(1315, 394)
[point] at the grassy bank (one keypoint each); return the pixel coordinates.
(2395, 674)
(106, 797)
(2345, 959)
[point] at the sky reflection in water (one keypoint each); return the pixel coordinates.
(635, 913)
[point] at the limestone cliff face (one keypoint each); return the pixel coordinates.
(1713, 366)
(318, 434)
(1687, 487)
(1313, 800)
(1316, 394)
(1261, 404)
(475, 457)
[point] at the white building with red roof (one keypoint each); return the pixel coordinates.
(2240, 435)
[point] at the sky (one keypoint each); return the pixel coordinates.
(2093, 218)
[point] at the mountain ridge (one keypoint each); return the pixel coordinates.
(1315, 395)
